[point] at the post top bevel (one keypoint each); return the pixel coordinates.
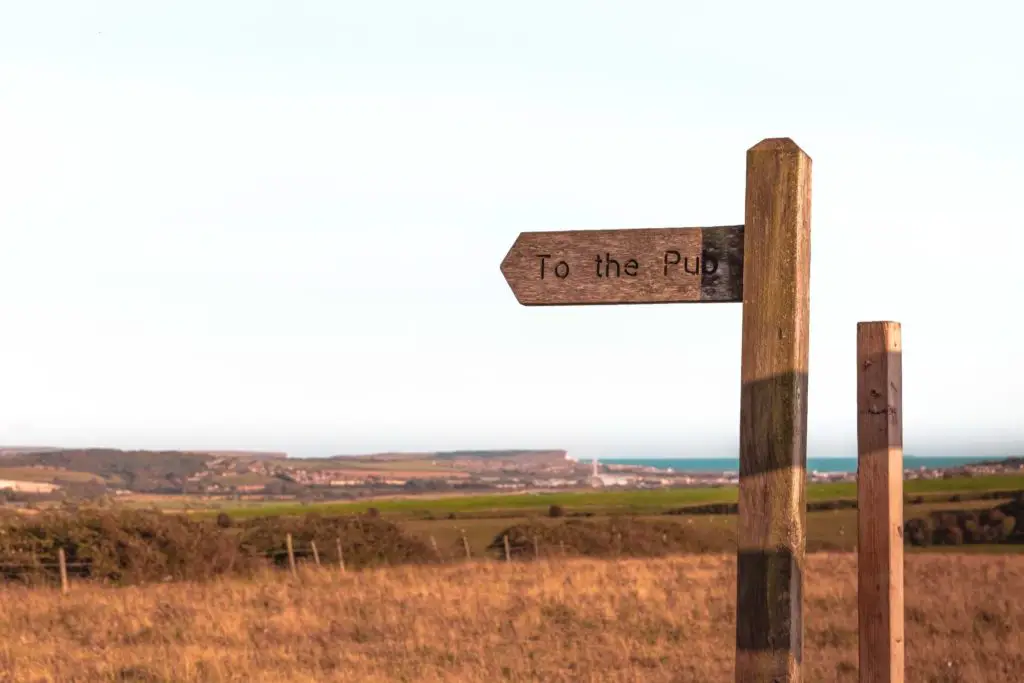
(776, 145)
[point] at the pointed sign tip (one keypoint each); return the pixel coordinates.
(505, 262)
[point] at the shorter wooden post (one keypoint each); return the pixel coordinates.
(316, 555)
(62, 560)
(880, 502)
(536, 549)
(508, 551)
(291, 554)
(341, 557)
(433, 544)
(465, 544)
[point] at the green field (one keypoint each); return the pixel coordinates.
(442, 520)
(631, 501)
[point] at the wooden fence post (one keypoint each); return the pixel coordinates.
(62, 561)
(291, 554)
(316, 555)
(341, 557)
(508, 552)
(880, 502)
(773, 414)
(536, 549)
(465, 544)
(433, 544)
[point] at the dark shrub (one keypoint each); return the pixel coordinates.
(1015, 509)
(365, 541)
(918, 532)
(224, 520)
(372, 512)
(128, 546)
(949, 535)
(123, 546)
(994, 516)
(624, 535)
(832, 505)
(707, 509)
(1001, 531)
(973, 531)
(556, 511)
(965, 517)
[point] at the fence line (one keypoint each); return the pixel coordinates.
(508, 550)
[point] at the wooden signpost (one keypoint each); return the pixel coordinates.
(765, 264)
(660, 265)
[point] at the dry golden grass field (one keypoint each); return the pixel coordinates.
(663, 620)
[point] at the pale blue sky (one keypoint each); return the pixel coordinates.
(279, 224)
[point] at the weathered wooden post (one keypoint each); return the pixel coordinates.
(291, 554)
(465, 544)
(508, 551)
(62, 561)
(880, 501)
(773, 414)
(316, 554)
(341, 556)
(765, 264)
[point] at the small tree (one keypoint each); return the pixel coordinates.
(556, 511)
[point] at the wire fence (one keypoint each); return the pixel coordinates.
(81, 568)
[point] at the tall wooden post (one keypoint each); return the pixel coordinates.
(880, 501)
(773, 414)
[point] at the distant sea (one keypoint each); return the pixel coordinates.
(718, 465)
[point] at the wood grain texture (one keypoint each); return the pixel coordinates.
(773, 414)
(880, 501)
(635, 266)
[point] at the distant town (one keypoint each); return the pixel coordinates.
(55, 472)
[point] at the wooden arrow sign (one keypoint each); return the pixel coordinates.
(638, 266)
